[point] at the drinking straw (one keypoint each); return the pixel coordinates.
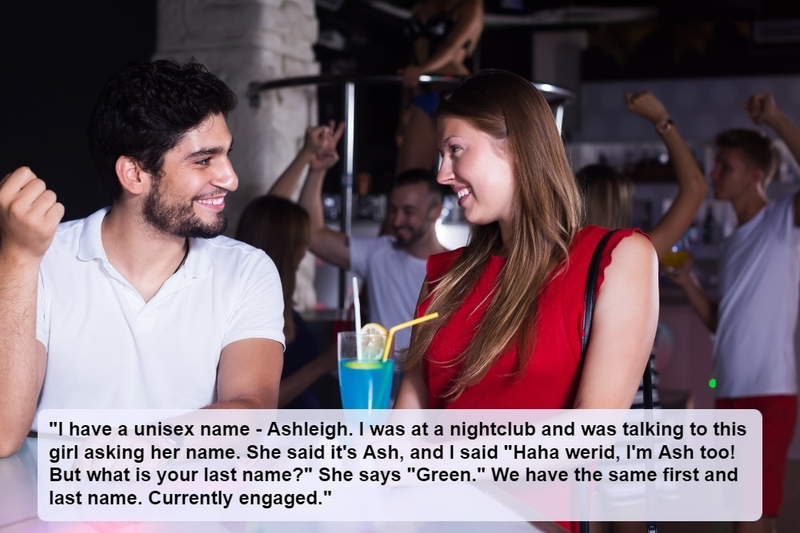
(401, 326)
(357, 310)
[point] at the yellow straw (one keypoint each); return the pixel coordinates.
(401, 326)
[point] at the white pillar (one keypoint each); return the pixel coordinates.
(243, 41)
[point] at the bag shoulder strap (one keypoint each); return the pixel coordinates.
(590, 294)
(589, 298)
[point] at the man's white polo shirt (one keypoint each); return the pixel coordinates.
(107, 348)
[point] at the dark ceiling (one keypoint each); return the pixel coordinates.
(627, 39)
(697, 10)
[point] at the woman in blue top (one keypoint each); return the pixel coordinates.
(442, 34)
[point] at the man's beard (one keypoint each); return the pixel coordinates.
(180, 220)
(413, 238)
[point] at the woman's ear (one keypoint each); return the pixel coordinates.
(131, 176)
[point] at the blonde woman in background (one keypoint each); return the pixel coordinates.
(609, 194)
(608, 198)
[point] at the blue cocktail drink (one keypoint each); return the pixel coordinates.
(365, 379)
(365, 384)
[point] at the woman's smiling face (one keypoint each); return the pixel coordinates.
(478, 169)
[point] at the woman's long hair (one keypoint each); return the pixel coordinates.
(282, 229)
(607, 195)
(546, 215)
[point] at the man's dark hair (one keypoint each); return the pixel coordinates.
(145, 109)
(756, 146)
(421, 175)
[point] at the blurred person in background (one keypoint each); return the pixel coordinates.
(759, 269)
(608, 199)
(392, 266)
(442, 35)
(281, 228)
(608, 194)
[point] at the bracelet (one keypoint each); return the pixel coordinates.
(663, 127)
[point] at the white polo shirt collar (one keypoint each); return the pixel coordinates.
(197, 265)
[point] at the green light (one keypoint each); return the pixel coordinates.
(712, 383)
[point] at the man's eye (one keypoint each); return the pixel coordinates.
(203, 161)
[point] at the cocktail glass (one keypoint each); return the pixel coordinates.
(365, 382)
(678, 254)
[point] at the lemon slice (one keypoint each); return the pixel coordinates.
(373, 341)
(373, 328)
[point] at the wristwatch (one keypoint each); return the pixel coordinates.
(663, 126)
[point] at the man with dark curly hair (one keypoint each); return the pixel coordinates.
(142, 304)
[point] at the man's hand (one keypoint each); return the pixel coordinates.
(761, 109)
(324, 140)
(29, 214)
(647, 106)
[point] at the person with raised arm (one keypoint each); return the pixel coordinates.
(393, 266)
(443, 35)
(759, 271)
(608, 194)
(142, 304)
(608, 198)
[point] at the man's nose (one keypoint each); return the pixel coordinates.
(226, 179)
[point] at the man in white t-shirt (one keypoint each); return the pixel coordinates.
(754, 322)
(393, 267)
(143, 304)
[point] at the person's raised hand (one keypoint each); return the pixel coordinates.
(647, 106)
(761, 108)
(316, 137)
(327, 156)
(29, 214)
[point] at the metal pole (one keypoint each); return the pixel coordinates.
(347, 177)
